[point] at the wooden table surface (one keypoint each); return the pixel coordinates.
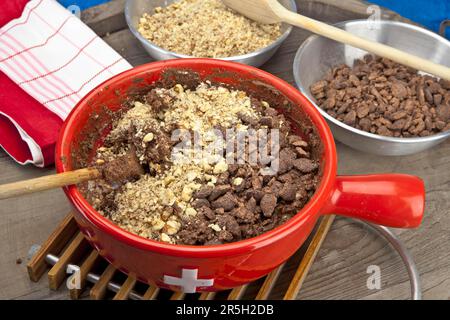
(340, 270)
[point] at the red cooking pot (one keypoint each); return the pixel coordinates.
(393, 200)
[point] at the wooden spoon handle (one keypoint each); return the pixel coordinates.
(379, 49)
(48, 182)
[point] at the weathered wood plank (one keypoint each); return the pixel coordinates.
(177, 296)
(125, 289)
(269, 283)
(25, 222)
(105, 18)
(237, 293)
(355, 7)
(151, 293)
(207, 296)
(54, 244)
(98, 291)
(85, 268)
(308, 258)
(71, 254)
(128, 46)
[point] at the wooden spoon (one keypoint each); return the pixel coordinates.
(271, 11)
(48, 182)
(117, 171)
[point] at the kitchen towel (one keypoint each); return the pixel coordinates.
(49, 60)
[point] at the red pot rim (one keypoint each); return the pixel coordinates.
(310, 210)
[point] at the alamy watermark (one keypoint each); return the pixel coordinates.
(74, 280)
(256, 147)
(374, 280)
(75, 10)
(375, 17)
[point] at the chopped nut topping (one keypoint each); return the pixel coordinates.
(205, 200)
(157, 224)
(148, 137)
(206, 107)
(215, 227)
(172, 227)
(179, 88)
(165, 238)
(142, 207)
(220, 167)
(191, 212)
(238, 181)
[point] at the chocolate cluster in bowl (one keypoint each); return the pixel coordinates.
(207, 200)
(382, 97)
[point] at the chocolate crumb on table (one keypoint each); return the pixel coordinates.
(203, 201)
(383, 97)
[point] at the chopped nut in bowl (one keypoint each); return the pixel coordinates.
(205, 197)
(197, 205)
(203, 28)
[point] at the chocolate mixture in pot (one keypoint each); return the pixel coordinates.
(382, 97)
(201, 200)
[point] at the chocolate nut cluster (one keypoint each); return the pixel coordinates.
(147, 191)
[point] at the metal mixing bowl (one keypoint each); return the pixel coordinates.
(134, 9)
(318, 54)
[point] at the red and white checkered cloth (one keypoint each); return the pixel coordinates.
(50, 55)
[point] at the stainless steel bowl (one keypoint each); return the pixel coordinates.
(318, 54)
(134, 9)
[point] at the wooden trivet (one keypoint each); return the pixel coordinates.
(66, 245)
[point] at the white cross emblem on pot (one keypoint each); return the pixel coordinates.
(188, 281)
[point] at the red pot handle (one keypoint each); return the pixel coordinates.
(392, 200)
